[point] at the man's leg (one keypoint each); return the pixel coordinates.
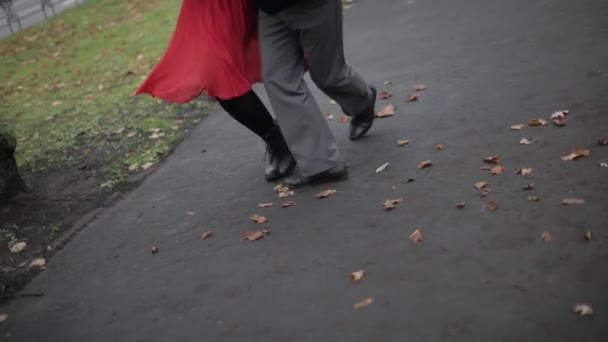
(304, 126)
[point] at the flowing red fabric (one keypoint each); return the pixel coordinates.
(214, 48)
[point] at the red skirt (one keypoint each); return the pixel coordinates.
(214, 48)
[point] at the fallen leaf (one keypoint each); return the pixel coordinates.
(604, 164)
(587, 235)
(533, 198)
(583, 309)
(40, 262)
(523, 171)
(3, 317)
(492, 159)
(481, 185)
(18, 247)
(425, 164)
(382, 167)
(486, 168)
(572, 201)
(402, 142)
(133, 167)
(386, 111)
(154, 249)
(356, 276)
(332, 102)
(461, 205)
(546, 236)
(206, 234)
(485, 192)
(577, 152)
(265, 205)
(419, 87)
(388, 82)
(498, 169)
(147, 165)
(56, 103)
(529, 186)
(190, 213)
(391, 204)
(254, 235)
(440, 147)
(385, 95)
(325, 193)
(288, 204)
(259, 219)
(537, 122)
(602, 141)
(329, 116)
(517, 127)
(363, 303)
(411, 97)
(559, 121)
(492, 205)
(140, 57)
(285, 194)
(416, 236)
(344, 118)
(527, 141)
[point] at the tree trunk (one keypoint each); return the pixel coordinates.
(11, 182)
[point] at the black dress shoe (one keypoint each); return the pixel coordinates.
(335, 174)
(362, 122)
(279, 160)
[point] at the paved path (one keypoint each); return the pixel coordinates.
(25, 8)
(477, 275)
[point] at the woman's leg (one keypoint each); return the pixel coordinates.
(249, 110)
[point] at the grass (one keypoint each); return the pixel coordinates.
(67, 86)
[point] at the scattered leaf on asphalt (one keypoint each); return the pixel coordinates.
(329, 116)
(546, 236)
(190, 213)
(385, 95)
(40, 262)
(559, 121)
(587, 235)
(529, 186)
(492, 159)
(604, 164)
(344, 118)
(577, 152)
(425, 164)
(533, 198)
(523, 171)
(356, 276)
(572, 201)
(419, 87)
(363, 303)
(254, 235)
(411, 97)
(206, 234)
(259, 219)
(18, 247)
(602, 141)
(517, 127)
(402, 142)
(325, 193)
(154, 249)
(288, 204)
(583, 309)
(498, 169)
(481, 185)
(332, 102)
(385, 111)
(492, 205)
(147, 165)
(3, 317)
(388, 82)
(265, 205)
(282, 191)
(391, 204)
(527, 141)
(537, 122)
(440, 147)
(485, 192)
(461, 205)
(486, 168)
(285, 194)
(416, 236)
(382, 167)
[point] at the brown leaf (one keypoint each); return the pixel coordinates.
(259, 219)
(133, 167)
(572, 201)
(517, 127)
(537, 122)
(147, 165)
(523, 171)
(602, 141)
(546, 236)
(440, 147)
(56, 103)
(386, 111)
(385, 95)
(481, 185)
(529, 186)
(3, 317)
(254, 235)
(583, 309)
(265, 205)
(17, 246)
(411, 97)
(577, 152)
(492, 205)
(461, 205)
(527, 141)
(587, 235)
(154, 249)
(344, 118)
(388, 82)
(40, 262)
(485, 192)
(533, 198)
(425, 164)
(492, 159)
(498, 169)
(356, 276)
(325, 193)
(382, 167)
(391, 204)
(419, 87)
(283, 191)
(206, 234)
(288, 204)
(559, 121)
(363, 303)
(402, 142)
(416, 236)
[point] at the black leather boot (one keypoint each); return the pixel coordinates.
(279, 160)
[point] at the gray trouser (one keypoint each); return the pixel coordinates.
(309, 33)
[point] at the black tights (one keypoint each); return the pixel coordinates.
(249, 110)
